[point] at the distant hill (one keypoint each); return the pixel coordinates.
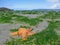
(46, 9)
(5, 9)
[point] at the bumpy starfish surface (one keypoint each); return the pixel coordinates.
(23, 32)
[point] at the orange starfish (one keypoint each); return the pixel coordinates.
(23, 32)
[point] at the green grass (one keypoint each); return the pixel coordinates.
(57, 23)
(13, 30)
(7, 17)
(32, 21)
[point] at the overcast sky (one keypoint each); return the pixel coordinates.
(30, 4)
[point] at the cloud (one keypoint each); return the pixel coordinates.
(55, 6)
(53, 1)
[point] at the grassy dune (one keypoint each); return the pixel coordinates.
(48, 36)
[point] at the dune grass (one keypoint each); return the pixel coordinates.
(7, 17)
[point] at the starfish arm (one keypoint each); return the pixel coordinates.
(14, 33)
(24, 36)
(30, 33)
(30, 29)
